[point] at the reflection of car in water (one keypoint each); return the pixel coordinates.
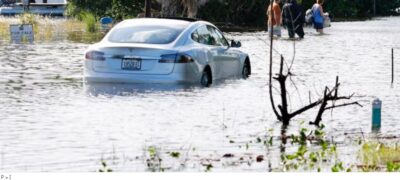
(151, 50)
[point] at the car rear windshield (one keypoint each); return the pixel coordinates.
(145, 34)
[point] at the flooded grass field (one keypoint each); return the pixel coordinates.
(51, 121)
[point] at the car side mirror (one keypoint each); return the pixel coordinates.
(236, 44)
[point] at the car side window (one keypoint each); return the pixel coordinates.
(214, 37)
(217, 36)
(195, 36)
(203, 35)
(221, 38)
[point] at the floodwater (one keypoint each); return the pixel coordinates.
(51, 121)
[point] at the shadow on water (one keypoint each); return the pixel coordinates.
(117, 89)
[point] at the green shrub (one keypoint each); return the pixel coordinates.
(90, 21)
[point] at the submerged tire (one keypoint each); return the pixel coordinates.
(205, 80)
(246, 70)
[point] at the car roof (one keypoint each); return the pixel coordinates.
(173, 23)
(187, 24)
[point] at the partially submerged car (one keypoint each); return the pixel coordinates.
(165, 50)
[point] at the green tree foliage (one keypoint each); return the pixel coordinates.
(245, 12)
(117, 9)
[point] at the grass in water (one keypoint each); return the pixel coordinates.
(54, 29)
(4, 31)
(377, 155)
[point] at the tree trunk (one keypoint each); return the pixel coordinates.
(169, 8)
(148, 8)
(191, 6)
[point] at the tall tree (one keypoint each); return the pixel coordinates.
(169, 8)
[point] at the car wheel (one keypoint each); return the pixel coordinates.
(205, 79)
(246, 70)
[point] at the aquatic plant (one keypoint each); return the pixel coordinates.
(311, 158)
(153, 159)
(209, 167)
(378, 155)
(175, 154)
(104, 167)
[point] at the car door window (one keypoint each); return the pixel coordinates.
(214, 37)
(195, 36)
(217, 35)
(202, 35)
(221, 38)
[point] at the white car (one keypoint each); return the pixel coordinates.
(164, 50)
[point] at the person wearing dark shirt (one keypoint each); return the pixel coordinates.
(293, 18)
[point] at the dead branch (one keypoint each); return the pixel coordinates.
(343, 105)
(328, 97)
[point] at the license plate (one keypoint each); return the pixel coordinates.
(131, 64)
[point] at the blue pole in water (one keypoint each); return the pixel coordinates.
(376, 113)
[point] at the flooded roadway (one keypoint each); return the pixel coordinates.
(51, 121)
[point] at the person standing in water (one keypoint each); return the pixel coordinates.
(293, 18)
(318, 14)
(276, 20)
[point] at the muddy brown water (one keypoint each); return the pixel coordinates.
(51, 121)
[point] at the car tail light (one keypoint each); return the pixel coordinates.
(176, 58)
(168, 58)
(95, 55)
(184, 59)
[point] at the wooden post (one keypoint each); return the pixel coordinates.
(392, 66)
(148, 8)
(374, 7)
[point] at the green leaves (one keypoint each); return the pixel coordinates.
(104, 167)
(118, 9)
(152, 151)
(393, 167)
(313, 157)
(337, 167)
(209, 167)
(175, 154)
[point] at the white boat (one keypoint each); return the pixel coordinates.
(41, 7)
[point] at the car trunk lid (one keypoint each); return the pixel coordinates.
(134, 60)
